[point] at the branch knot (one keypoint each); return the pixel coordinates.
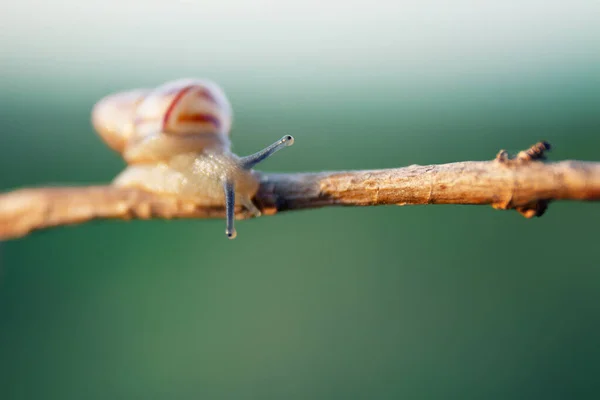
(537, 152)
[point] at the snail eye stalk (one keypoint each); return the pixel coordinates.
(250, 161)
(230, 209)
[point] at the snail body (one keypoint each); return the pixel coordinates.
(175, 140)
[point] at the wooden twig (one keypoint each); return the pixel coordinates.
(523, 183)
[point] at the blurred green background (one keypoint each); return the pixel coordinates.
(378, 302)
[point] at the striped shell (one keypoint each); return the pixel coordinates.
(182, 116)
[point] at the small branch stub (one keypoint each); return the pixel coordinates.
(524, 183)
(537, 152)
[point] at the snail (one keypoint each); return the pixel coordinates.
(175, 140)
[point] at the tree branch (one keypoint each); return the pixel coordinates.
(523, 183)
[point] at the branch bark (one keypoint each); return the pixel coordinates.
(523, 183)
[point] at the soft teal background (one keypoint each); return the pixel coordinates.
(383, 302)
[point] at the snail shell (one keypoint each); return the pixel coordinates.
(186, 115)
